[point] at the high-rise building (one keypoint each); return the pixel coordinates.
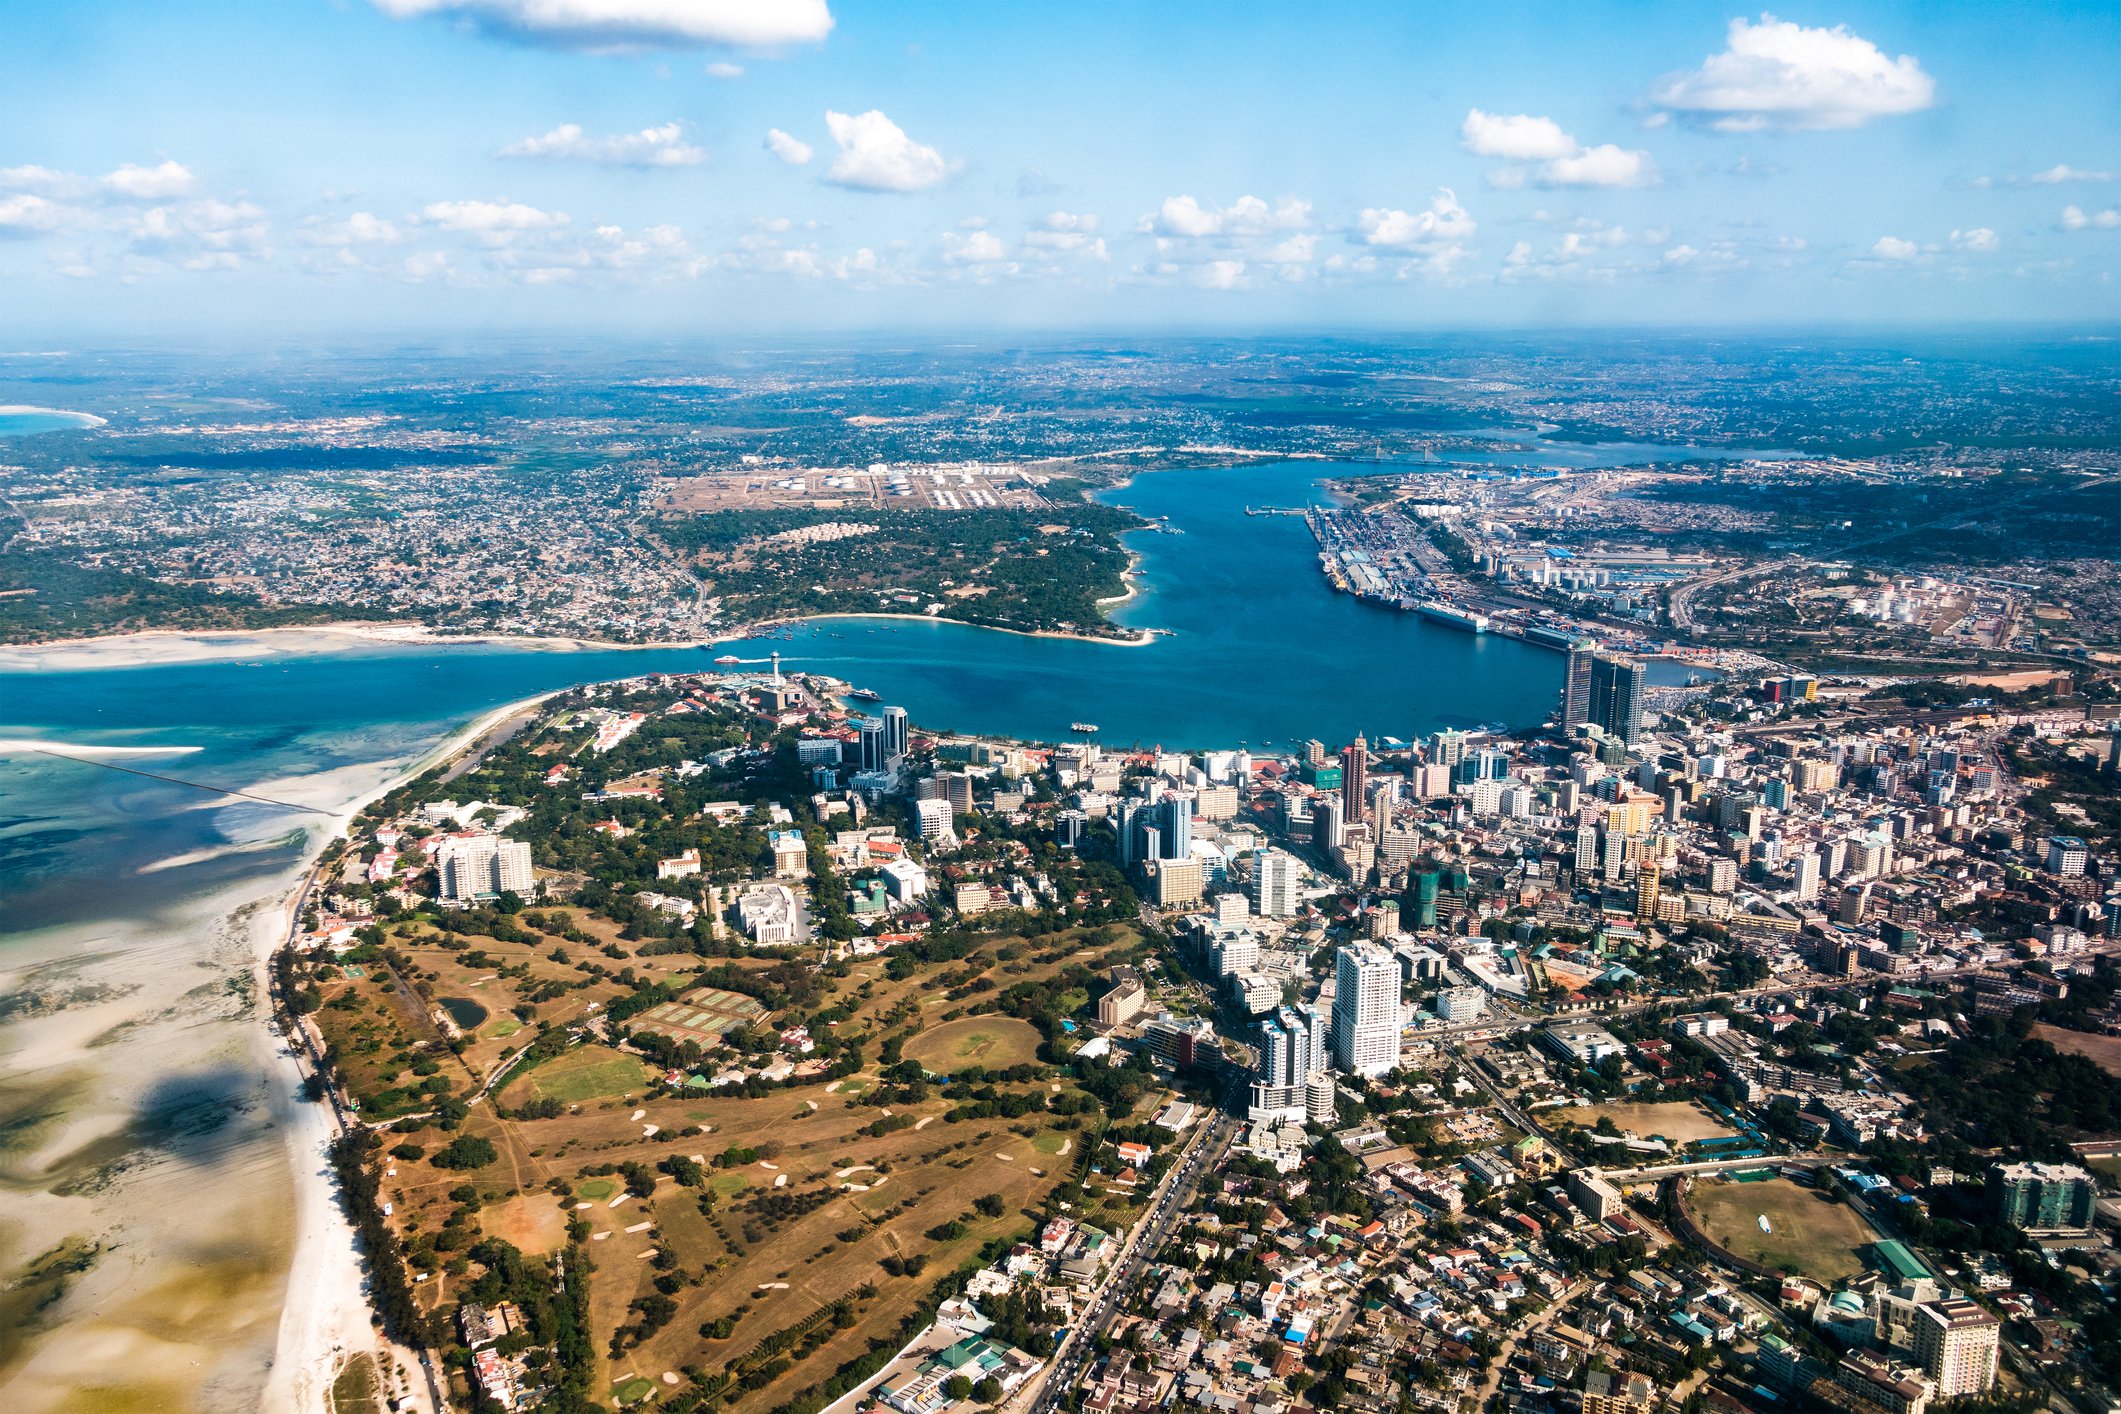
(1646, 889)
(1366, 1010)
(1448, 749)
(883, 740)
(1616, 693)
(484, 866)
(1354, 777)
(1956, 1342)
(935, 819)
(1274, 881)
(1177, 827)
(894, 735)
(1576, 688)
(1329, 823)
(2042, 1198)
(1804, 870)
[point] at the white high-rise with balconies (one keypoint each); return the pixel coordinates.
(1366, 1011)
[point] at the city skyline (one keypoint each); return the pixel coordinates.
(422, 164)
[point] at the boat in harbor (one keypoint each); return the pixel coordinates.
(864, 694)
(727, 658)
(1086, 728)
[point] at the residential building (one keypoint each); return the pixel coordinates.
(1956, 1342)
(1366, 1010)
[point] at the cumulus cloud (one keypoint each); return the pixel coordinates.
(1444, 221)
(1776, 74)
(1980, 239)
(27, 214)
(2075, 218)
(157, 183)
(1605, 165)
(496, 222)
(1521, 139)
(979, 248)
(1066, 231)
(1185, 217)
(624, 24)
(1893, 248)
(1221, 275)
(360, 229)
(792, 150)
(876, 155)
(663, 146)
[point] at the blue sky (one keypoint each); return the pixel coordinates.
(707, 166)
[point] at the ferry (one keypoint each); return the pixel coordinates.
(864, 694)
(1086, 728)
(728, 658)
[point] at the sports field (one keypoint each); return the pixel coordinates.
(2102, 1051)
(1679, 1121)
(703, 1015)
(995, 1042)
(1822, 1239)
(586, 1073)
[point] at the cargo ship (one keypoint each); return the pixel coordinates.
(1452, 617)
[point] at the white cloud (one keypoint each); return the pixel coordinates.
(1521, 138)
(496, 222)
(1062, 231)
(979, 248)
(792, 150)
(2062, 172)
(1186, 218)
(1681, 255)
(1776, 74)
(156, 183)
(621, 24)
(42, 180)
(27, 214)
(1603, 166)
(723, 69)
(359, 229)
(876, 155)
(1445, 221)
(1893, 248)
(2075, 218)
(1518, 138)
(663, 146)
(1979, 238)
(201, 235)
(1221, 275)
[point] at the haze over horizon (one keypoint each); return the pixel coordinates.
(789, 166)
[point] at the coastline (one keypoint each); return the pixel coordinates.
(159, 647)
(327, 1314)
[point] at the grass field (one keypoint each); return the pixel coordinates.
(596, 1190)
(996, 1042)
(2108, 1169)
(2102, 1051)
(357, 1389)
(1823, 1240)
(588, 1073)
(633, 1391)
(1679, 1121)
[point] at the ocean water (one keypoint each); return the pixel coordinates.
(1256, 648)
(18, 421)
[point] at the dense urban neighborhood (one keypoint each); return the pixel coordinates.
(730, 1039)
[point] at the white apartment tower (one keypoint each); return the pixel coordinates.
(1366, 1010)
(484, 866)
(1274, 877)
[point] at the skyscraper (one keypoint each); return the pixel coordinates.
(1177, 811)
(1576, 688)
(1956, 1342)
(894, 736)
(1616, 691)
(1274, 876)
(1366, 1011)
(2042, 1198)
(1354, 776)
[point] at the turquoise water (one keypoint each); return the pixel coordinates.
(1260, 650)
(22, 424)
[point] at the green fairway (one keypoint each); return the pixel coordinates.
(633, 1391)
(590, 1073)
(596, 1190)
(996, 1042)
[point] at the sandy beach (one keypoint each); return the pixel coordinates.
(154, 647)
(161, 1145)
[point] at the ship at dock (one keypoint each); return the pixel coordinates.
(1451, 616)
